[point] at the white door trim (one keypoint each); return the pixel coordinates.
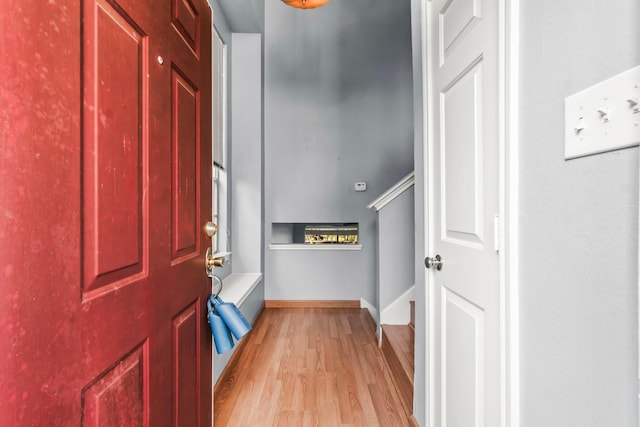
(509, 202)
(509, 207)
(431, 388)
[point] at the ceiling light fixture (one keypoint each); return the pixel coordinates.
(305, 4)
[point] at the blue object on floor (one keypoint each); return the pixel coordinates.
(221, 334)
(232, 317)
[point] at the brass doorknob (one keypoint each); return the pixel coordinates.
(210, 261)
(210, 228)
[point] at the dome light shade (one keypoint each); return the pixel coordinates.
(305, 4)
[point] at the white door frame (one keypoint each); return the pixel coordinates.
(509, 202)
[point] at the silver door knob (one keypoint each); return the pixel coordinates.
(435, 262)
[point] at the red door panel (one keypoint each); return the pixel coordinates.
(115, 141)
(186, 372)
(105, 133)
(185, 167)
(119, 397)
(185, 18)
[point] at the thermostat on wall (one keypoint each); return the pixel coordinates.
(361, 186)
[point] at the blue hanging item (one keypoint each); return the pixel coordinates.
(221, 335)
(232, 317)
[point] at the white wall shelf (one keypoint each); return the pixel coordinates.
(307, 247)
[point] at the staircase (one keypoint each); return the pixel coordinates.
(397, 348)
(396, 284)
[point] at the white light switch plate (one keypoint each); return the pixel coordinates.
(604, 117)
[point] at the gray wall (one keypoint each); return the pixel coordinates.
(220, 21)
(338, 109)
(246, 182)
(244, 16)
(396, 252)
(579, 233)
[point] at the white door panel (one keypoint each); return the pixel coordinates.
(463, 341)
(464, 184)
(461, 155)
(456, 19)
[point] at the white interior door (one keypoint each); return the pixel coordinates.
(463, 183)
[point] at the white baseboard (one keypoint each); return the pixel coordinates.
(374, 312)
(398, 312)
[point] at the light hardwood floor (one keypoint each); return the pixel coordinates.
(397, 348)
(309, 367)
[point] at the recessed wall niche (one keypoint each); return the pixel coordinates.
(315, 234)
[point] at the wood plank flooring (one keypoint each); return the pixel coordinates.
(397, 348)
(309, 367)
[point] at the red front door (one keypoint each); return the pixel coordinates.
(105, 184)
